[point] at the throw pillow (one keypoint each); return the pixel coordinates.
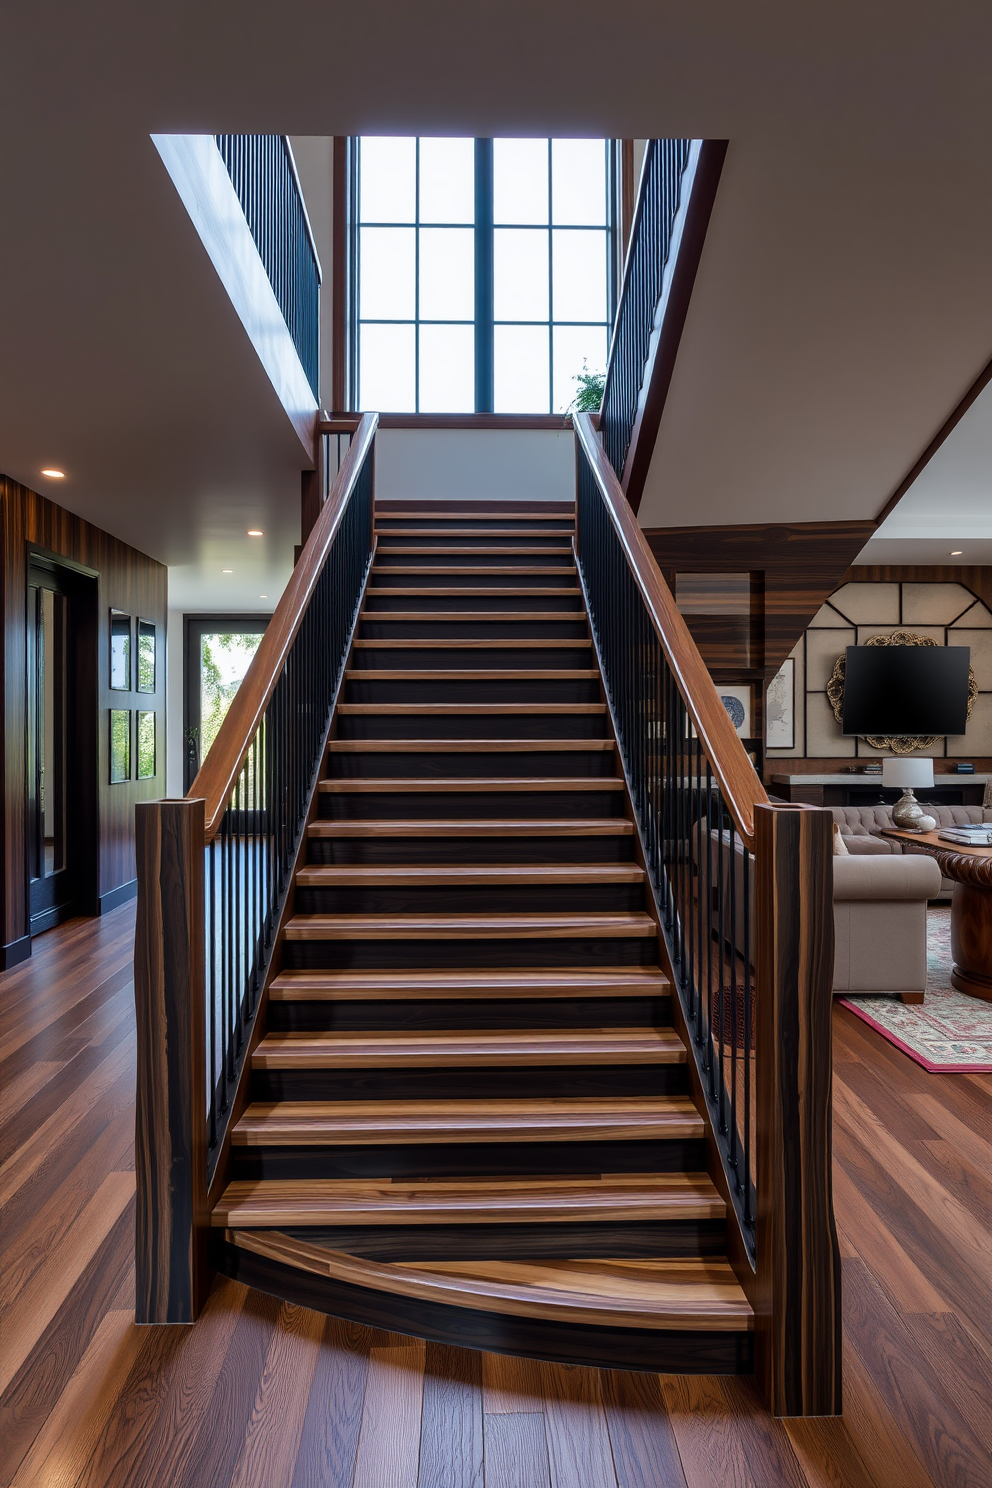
(841, 849)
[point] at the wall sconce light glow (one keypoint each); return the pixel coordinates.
(957, 552)
(53, 474)
(227, 570)
(255, 532)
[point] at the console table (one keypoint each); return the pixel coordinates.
(866, 790)
(971, 906)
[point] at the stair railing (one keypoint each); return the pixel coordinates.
(675, 197)
(263, 173)
(743, 893)
(214, 871)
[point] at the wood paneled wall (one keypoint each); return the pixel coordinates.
(126, 580)
(800, 563)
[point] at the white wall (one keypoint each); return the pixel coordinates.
(475, 465)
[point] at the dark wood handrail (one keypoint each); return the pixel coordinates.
(742, 790)
(338, 423)
(217, 774)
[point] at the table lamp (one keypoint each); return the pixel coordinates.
(910, 774)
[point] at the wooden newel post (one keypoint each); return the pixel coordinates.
(172, 1222)
(798, 1312)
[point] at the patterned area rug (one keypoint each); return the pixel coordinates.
(946, 1033)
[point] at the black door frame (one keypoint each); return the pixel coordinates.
(79, 891)
(195, 627)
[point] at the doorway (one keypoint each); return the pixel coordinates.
(218, 650)
(61, 754)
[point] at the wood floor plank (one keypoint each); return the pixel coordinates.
(36, 1305)
(866, 1236)
(725, 1436)
(888, 1454)
(388, 1454)
(645, 1452)
(579, 1448)
(516, 1451)
(272, 1439)
(963, 1367)
(827, 1455)
(511, 1386)
(333, 1419)
(451, 1450)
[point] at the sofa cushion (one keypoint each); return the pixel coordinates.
(864, 847)
(908, 876)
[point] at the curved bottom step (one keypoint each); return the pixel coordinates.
(681, 1316)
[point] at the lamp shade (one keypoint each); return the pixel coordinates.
(908, 774)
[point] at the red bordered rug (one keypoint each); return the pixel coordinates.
(948, 1032)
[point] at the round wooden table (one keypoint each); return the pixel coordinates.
(971, 907)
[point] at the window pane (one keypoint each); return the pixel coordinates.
(386, 368)
(520, 180)
(578, 182)
(224, 659)
(447, 180)
(447, 369)
(520, 273)
(579, 283)
(447, 273)
(575, 348)
(521, 372)
(388, 175)
(387, 273)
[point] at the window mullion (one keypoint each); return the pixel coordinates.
(484, 335)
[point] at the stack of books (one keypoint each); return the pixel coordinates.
(977, 836)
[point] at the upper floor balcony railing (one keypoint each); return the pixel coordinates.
(263, 171)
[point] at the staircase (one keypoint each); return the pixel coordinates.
(469, 1115)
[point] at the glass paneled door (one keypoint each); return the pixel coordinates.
(59, 757)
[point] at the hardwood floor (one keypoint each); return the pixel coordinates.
(262, 1394)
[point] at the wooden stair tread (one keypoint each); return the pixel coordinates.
(316, 1123)
(524, 569)
(468, 746)
(469, 926)
(317, 875)
(484, 617)
(579, 643)
(528, 591)
(329, 1201)
(459, 710)
(606, 826)
(689, 1295)
(474, 674)
(500, 532)
(417, 985)
(564, 546)
(474, 1048)
(366, 784)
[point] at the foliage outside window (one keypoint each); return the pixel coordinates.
(224, 659)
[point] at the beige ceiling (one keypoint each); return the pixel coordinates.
(843, 305)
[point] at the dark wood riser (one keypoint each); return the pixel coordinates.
(442, 689)
(347, 851)
(444, 764)
(559, 542)
(508, 629)
(427, 805)
(656, 1350)
(460, 1160)
(355, 955)
(489, 899)
(444, 1083)
(505, 577)
(388, 657)
(441, 524)
(479, 1012)
(381, 601)
(406, 555)
(456, 725)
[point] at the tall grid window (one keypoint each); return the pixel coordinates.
(483, 272)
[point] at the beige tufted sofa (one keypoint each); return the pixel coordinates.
(861, 827)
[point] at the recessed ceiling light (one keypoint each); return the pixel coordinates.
(255, 532)
(54, 474)
(263, 596)
(227, 570)
(957, 552)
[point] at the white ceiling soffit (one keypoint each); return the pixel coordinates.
(843, 303)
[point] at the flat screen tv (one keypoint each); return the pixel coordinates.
(906, 690)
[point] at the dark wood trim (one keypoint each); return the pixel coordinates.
(219, 770)
(114, 898)
(979, 385)
(172, 1220)
(699, 188)
(312, 488)
(14, 952)
(742, 790)
(628, 187)
(797, 1298)
(339, 276)
(504, 421)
